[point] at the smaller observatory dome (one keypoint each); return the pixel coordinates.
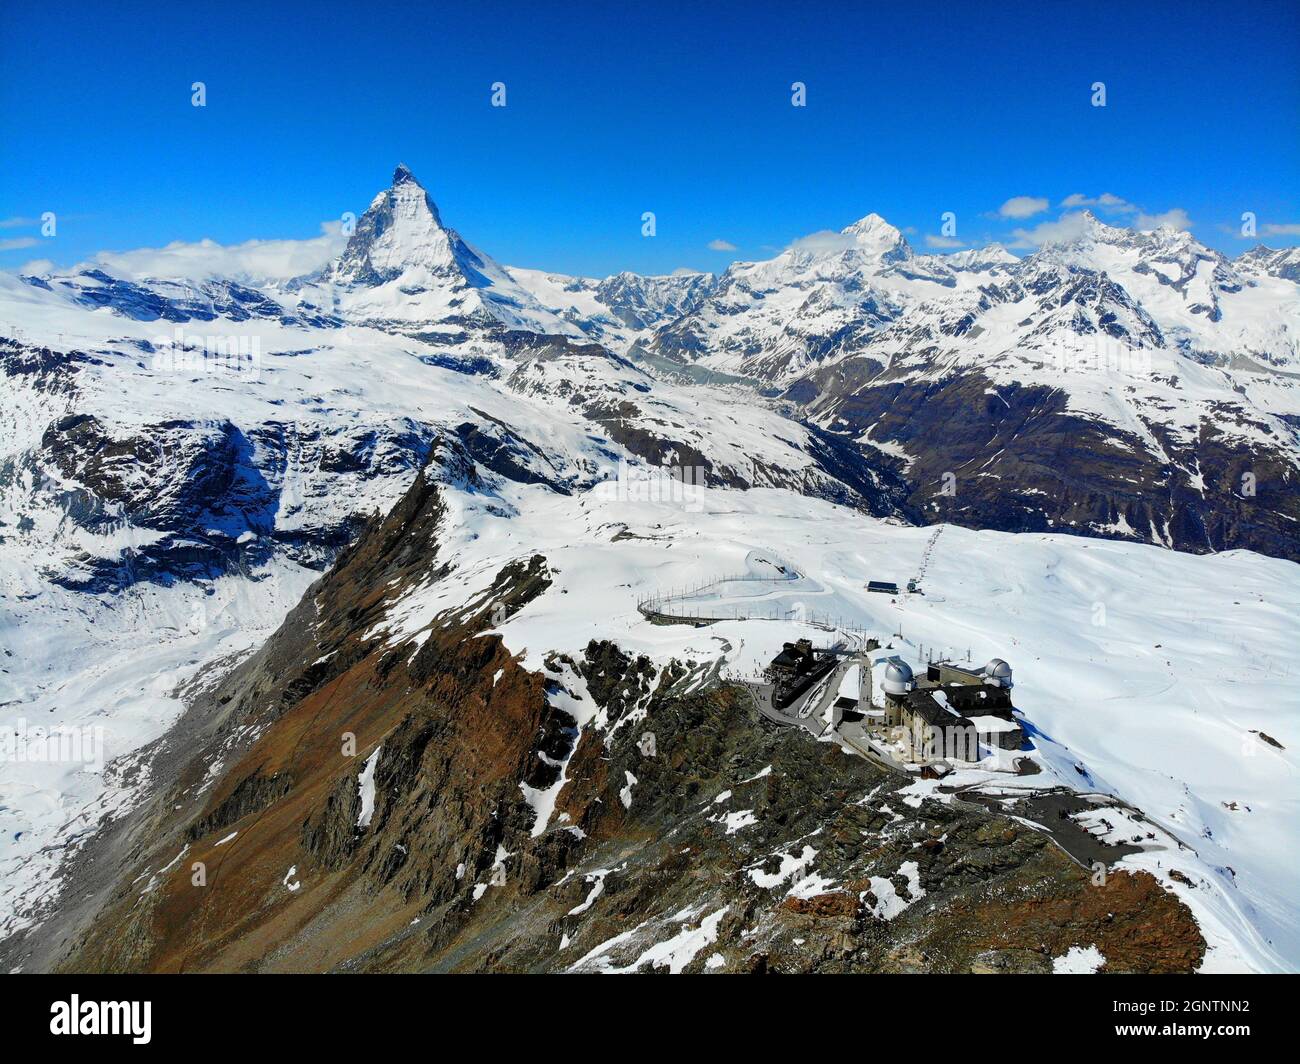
(998, 672)
(898, 678)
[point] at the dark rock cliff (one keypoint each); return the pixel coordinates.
(1017, 459)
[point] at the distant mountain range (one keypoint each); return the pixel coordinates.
(1123, 384)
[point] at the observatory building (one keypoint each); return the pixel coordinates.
(997, 673)
(954, 710)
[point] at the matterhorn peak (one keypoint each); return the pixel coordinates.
(406, 188)
(402, 268)
(400, 230)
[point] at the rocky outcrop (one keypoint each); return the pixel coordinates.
(196, 484)
(109, 503)
(251, 795)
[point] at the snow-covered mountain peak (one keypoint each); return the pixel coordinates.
(1084, 232)
(854, 256)
(876, 238)
(1089, 229)
(404, 269)
(1264, 260)
(872, 225)
(403, 175)
(401, 231)
(985, 258)
(1173, 257)
(412, 200)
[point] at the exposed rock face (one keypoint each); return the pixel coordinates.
(203, 498)
(180, 302)
(367, 814)
(212, 514)
(1019, 459)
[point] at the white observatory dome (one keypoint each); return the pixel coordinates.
(998, 672)
(898, 678)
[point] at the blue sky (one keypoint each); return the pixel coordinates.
(680, 109)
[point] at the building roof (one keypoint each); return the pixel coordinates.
(925, 705)
(987, 725)
(851, 684)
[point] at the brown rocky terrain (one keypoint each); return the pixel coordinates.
(689, 834)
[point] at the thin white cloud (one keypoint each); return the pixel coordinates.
(37, 267)
(1070, 225)
(823, 242)
(1023, 206)
(942, 241)
(253, 260)
(721, 245)
(1073, 224)
(18, 242)
(17, 223)
(1280, 229)
(1175, 218)
(1107, 201)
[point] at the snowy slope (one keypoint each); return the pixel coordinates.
(617, 311)
(111, 672)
